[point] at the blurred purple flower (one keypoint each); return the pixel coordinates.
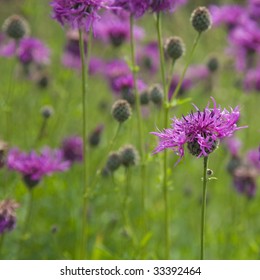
(7, 215)
(71, 56)
(230, 15)
(254, 9)
(166, 5)
(252, 80)
(33, 166)
(32, 50)
(135, 7)
(96, 66)
(233, 145)
(72, 149)
(253, 158)
(185, 86)
(148, 57)
(116, 68)
(201, 131)
(7, 46)
(78, 13)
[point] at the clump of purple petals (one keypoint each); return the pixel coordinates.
(72, 149)
(7, 215)
(166, 5)
(32, 50)
(33, 166)
(78, 13)
(136, 8)
(201, 128)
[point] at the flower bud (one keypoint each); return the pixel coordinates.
(121, 110)
(129, 155)
(174, 47)
(201, 19)
(113, 161)
(16, 27)
(156, 94)
(47, 111)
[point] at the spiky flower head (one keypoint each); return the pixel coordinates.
(121, 110)
(200, 130)
(47, 111)
(174, 47)
(129, 155)
(77, 13)
(7, 215)
(156, 94)
(113, 161)
(16, 27)
(34, 167)
(201, 19)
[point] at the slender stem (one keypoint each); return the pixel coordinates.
(139, 118)
(42, 130)
(2, 236)
(84, 136)
(176, 91)
(203, 209)
(165, 153)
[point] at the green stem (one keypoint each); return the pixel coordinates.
(203, 209)
(42, 130)
(165, 153)
(176, 91)
(1, 243)
(139, 118)
(83, 240)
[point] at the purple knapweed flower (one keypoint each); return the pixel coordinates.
(34, 167)
(229, 15)
(253, 158)
(71, 56)
(200, 130)
(233, 145)
(115, 30)
(137, 8)
(185, 86)
(96, 66)
(253, 9)
(7, 46)
(7, 215)
(32, 50)
(166, 5)
(72, 149)
(148, 57)
(116, 68)
(78, 13)
(244, 180)
(252, 80)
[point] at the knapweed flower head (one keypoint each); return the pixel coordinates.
(174, 47)
(136, 8)
(33, 166)
(129, 155)
(200, 130)
(95, 136)
(7, 215)
(229, 15)
(72, 149)
(166, 5)
(78, 13)
(32, 50)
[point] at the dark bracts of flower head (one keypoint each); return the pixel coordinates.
(78, 13)
(200, 130)
(33, 167)
(7, 215)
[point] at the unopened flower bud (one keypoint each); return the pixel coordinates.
(201, 19)
(156, 94)
(174, 47)
(144, 97)
(113, 161)
(16, 27)
(47, 111)
(213, 64)
(129, 155)
(121, 110)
